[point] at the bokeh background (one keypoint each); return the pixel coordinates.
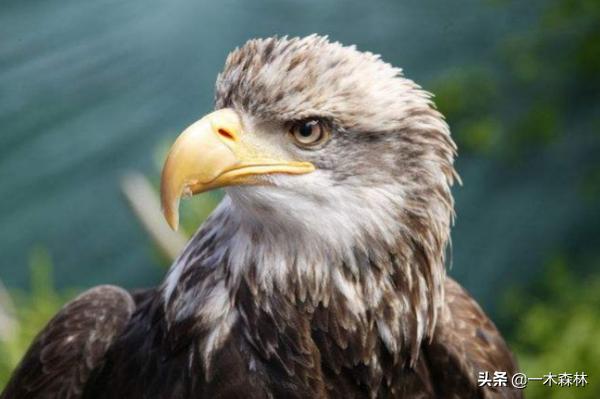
(93, 92)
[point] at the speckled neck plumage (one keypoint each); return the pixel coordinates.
(365, 286)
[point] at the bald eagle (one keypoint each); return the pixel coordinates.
(321, 274)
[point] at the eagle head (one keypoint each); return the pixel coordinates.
(321, 139)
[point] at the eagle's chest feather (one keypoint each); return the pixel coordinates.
(276, 348)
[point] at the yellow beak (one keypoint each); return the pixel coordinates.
(215, 152)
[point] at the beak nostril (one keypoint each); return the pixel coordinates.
(226, 133)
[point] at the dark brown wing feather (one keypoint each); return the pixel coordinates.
(465, 343)
(61, 357)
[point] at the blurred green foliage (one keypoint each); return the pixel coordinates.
(33, 310)
(541, 82)
(556, 329)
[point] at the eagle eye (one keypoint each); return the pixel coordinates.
(310, 132)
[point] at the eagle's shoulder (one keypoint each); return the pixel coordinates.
(465, 343)
(73, 342)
